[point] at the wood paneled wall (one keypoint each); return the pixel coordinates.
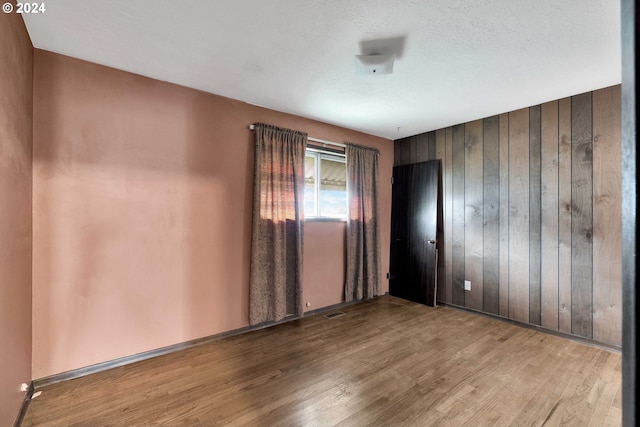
(532, 213)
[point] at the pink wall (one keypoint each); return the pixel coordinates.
(142, 213)
(324, 264)
(16, 112)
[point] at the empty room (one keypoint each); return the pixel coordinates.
(318, 213)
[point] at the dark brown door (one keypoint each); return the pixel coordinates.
(414, 220)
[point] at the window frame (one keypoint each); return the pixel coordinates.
(318, 154)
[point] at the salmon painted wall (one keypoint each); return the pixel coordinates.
(16, 112)
(142, 213)
(324, 264)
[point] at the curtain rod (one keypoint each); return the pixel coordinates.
(321, 141)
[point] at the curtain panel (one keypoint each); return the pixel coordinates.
(275, 289)
(363, 242)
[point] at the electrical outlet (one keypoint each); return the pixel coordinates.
(467, 285)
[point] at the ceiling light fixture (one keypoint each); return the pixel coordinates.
(374, 65)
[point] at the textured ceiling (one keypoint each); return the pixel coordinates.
(457, 60)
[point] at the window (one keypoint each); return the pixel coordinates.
(325, 185)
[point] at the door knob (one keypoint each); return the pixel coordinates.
(433, 242)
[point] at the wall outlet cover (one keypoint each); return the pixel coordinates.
(467, 285)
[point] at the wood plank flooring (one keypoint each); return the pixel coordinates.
(387, 362)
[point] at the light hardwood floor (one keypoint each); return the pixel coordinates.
(387, 362)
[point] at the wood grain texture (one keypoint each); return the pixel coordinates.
(491, 215)
(404, 151)
(607, 216)
(564, 215)
(473, 219)
(422, 148)
(440, 155)
(582, 216)
(519, 215)
(566, 282)
(458, 211)
(397, 151)
(504, 214)
(549, 216)
(431, 137)
(413, 149)
(387, 362)
(534, 215)
(448, 212)
(441, 143)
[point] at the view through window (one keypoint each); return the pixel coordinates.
(325, 185)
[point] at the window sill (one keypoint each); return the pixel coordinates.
(323, 219)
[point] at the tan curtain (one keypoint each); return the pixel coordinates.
(363, 241)
(276, 242)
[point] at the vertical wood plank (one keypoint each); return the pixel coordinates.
(473, 200)
(582, 216)
(504, 214)
(405, 151)
(607, 216)
(519, 215)
(564, 215)
(491, 215)
(534, 215)
(458, 215)
(549, 216)
(448, 211)
(397, 147)
(413, 147)
(422, 148)
(431, 155)
(440, 154)
(440, 144)
(569, 212)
